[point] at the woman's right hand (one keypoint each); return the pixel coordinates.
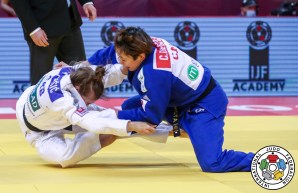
(40, 38)
(141, 127)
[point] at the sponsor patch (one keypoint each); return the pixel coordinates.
(192, 72)
(33, 100)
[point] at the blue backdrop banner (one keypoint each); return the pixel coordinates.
(248, 56)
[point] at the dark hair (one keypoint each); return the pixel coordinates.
(88, 79)
(286, 9)
(133, 41)
(249, 3)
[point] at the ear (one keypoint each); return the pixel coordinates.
(77, 87)
(142, 56)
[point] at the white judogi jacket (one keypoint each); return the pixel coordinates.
(53, 104)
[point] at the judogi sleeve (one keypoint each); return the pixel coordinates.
(25, 14)
(157, 85)
(103, 122)
(113, 76)
(104, 56)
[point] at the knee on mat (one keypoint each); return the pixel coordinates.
(211, 167)
(65, 163)
(61, 160)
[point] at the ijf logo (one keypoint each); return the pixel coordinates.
(272, 167)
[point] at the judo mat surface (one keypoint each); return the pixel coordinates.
(136, 165)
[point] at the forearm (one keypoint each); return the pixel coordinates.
(7, 8)
(25, 14)
(138, 114)
(114, 75)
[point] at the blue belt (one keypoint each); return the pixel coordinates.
(209, 88)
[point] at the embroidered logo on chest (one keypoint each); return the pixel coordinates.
(192, 72)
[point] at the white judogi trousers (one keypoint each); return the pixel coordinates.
(54, 147)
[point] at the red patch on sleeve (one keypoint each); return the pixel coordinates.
(81, 111)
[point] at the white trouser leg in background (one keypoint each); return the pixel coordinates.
(55, 148)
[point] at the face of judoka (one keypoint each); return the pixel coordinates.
(128, 61)
(89, 98)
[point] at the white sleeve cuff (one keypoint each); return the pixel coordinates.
(37, 29)
(89, 3)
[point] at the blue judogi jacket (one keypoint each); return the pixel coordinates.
(167, 78)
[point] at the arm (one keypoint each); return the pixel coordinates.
(5, 6)
(103, 122)
(114, 75)
(24, 12)
(89, 9)
(104, 56)
(158, 93)
(30, 24)
(108, 56)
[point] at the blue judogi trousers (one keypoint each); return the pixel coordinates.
(207, 136)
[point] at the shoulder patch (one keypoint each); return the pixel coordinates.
(81, 111)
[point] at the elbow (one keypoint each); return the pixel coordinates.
(155, 120)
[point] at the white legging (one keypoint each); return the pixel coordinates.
(55, 148)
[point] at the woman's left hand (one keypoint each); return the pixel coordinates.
(60, 65)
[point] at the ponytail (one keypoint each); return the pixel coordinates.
(87, 79)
